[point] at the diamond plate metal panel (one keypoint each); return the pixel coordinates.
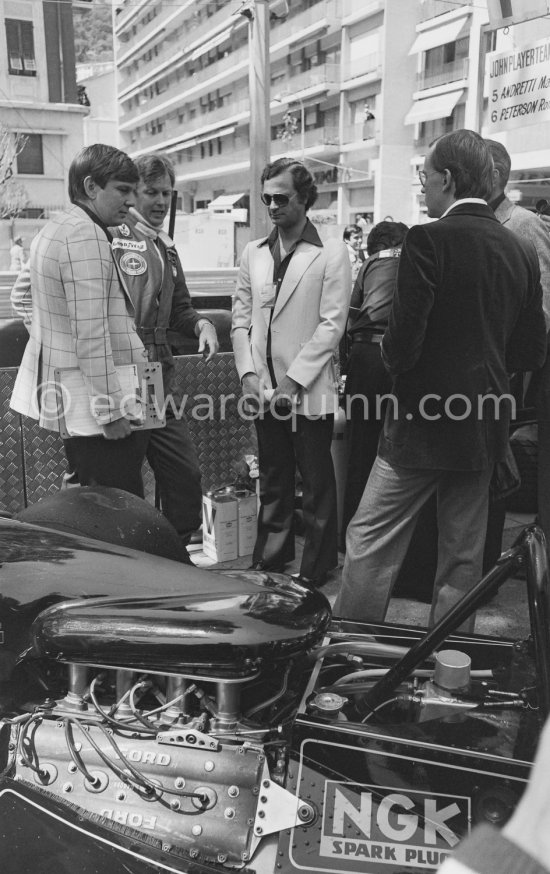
(45, 461)
(220, 435)
(33, 460)
(12, 494)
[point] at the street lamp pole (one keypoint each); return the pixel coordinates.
(259, 82)
(302, 126)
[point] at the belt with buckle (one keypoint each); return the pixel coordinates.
(367, 337)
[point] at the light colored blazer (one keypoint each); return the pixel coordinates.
(308, 321)
(534, 228)
(81, 317)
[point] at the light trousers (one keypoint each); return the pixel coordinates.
(379, 534)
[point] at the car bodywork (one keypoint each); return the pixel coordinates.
(156, 717)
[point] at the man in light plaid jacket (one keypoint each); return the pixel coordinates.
(82, 317)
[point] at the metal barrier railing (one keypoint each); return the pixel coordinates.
(209, 286)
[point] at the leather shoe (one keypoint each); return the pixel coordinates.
(315, 583)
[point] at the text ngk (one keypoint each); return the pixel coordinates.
(393, 823)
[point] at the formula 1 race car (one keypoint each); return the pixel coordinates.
(155, 717)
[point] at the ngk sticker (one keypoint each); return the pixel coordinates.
(389, 826)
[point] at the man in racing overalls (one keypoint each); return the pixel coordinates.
(151, 270)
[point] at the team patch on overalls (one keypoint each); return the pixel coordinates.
(125, 230)
(134, 245)
(133, 264)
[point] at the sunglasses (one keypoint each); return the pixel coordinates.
(277, 199)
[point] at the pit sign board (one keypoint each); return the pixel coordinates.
(503, 13)
(518, 86)
(387, 826)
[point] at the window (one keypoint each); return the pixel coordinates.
(32, 212)
(31, 158)
(431, 130)
(21, 60)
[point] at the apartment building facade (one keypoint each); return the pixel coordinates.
(183, 88)
(358, 88)
(38, 99)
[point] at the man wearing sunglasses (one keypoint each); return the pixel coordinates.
(289, 314)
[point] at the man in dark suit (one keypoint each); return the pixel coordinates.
(466, 312)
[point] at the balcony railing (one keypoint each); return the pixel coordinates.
(445, 73)
(283, 30)
(179, 94)
(187, 83)
(326, 135)
(433, 8)
(366, 7)
(202, 120)
(280, 32)
(198, 165)
(288, 85)
(192, 33)
(362, 66)
(362, 132)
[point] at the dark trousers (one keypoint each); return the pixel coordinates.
(174, 462)
(114, 463)
(366, 381)
(283, 446)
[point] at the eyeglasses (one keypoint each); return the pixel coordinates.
(422, 175)
(278, 199)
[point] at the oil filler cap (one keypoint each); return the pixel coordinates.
(452, 669)
(328, 704)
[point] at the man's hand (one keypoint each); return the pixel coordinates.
(117, 430)
(287, 392)
(208, 341)
(252, 391)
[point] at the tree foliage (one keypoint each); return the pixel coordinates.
(93, 31)
(289, 128)
(11, 145)
(13, 196)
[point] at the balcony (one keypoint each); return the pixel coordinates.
(227, 64)
(171, 54)
(195, 167)
(202, 125)
(289, 85)
(443, 74)
(195, 30)
(361, 8)
(192, 165)
(289, 30)
(189, 88)
(370, 64)
(434, 8)
(363, 132)
(326, 135)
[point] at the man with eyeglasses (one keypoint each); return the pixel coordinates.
(467, 310)
(289, 315)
